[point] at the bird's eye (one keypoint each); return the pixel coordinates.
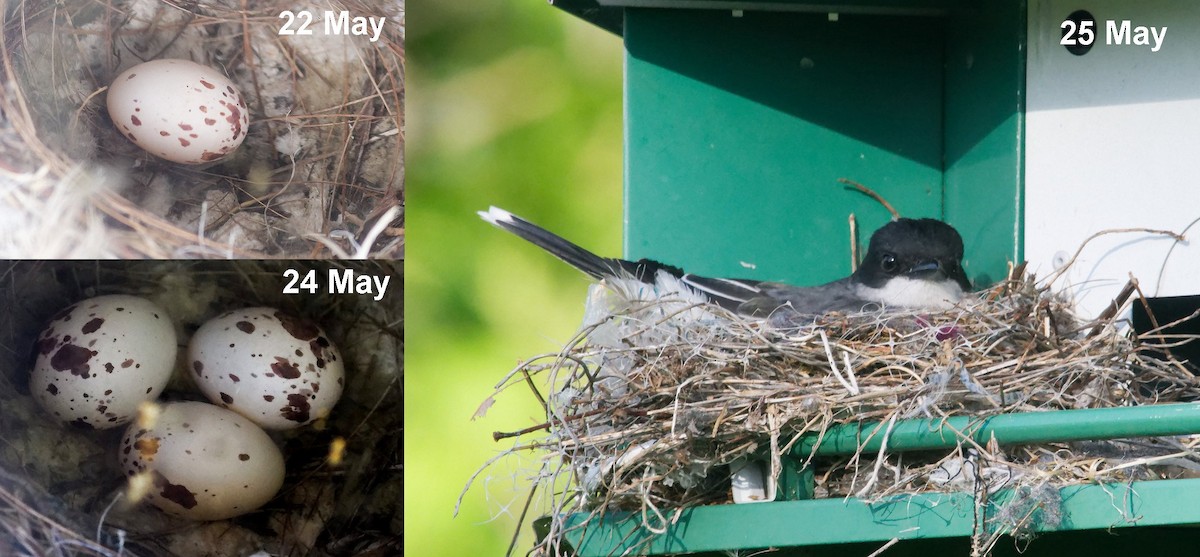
(888, 263)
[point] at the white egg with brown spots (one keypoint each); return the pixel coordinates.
(203, 462)
(178, 110)
(279, 370)
(100, 358)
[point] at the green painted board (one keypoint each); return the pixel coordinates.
(738, 125)
(905, 517)
(984, 135)
(738, 128)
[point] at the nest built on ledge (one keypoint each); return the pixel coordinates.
(650, 406)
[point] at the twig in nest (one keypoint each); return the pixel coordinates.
(521, 520)
(885, 547)
(853, 243)
(498, 435)
(1016, 275)
(1145, 303)
(1113, 307)
(873, 194)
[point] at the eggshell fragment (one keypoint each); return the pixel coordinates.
(279, 370)
(100, 358)
(205, 462)
(178, 110)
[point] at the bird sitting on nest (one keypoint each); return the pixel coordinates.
(911, 264)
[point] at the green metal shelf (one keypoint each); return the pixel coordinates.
(905, 517)
(920, 516)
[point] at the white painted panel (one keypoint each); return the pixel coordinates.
(1113, 141)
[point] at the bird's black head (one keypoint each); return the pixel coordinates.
(914, 248)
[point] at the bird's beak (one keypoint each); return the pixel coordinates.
(929, 268)
(924, 267)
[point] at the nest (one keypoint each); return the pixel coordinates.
(650, 406)
(62, 491)
(320, 174)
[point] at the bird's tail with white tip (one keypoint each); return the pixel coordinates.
(729, 293)
(575, 256)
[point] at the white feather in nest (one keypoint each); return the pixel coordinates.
(623, 314)
(627, 312)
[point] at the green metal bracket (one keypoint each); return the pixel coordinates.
(796, 481)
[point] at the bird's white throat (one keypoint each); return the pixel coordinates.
(912, 293)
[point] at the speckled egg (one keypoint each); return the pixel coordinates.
(204, 462)
(279, 370)
(178, 110)
(100, 358)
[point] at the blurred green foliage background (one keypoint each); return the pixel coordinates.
(516, 104)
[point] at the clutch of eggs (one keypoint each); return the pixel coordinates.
(178, 110)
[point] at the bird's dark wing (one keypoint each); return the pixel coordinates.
(839, 295)
(730, 294)
(757, 298)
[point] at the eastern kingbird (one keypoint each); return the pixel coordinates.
(910, 264)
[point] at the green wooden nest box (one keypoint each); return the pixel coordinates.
(741, 116)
